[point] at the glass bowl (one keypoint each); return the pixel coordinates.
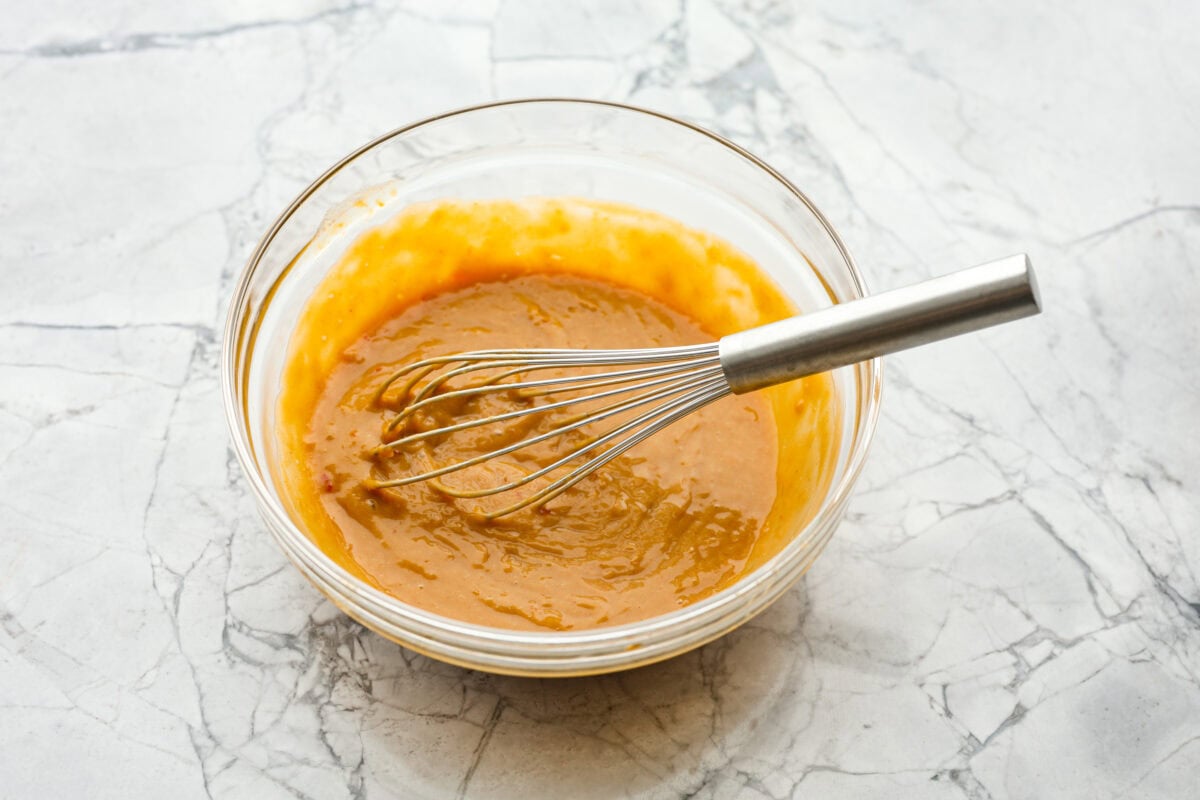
(540, 148)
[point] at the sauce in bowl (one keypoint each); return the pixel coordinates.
(680, 516)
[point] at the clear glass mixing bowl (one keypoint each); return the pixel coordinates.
(542, 148)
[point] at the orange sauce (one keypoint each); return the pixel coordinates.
(682, 515)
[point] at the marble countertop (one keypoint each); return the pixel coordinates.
(1012, 606)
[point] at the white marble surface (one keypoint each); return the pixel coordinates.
(1012, 609)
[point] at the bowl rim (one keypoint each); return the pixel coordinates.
(467, 633)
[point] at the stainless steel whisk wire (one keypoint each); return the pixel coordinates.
(680, 380)
(693, 380)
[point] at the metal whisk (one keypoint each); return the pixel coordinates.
(643, 391)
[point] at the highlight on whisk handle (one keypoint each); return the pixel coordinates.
(939, 308)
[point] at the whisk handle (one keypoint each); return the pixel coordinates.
(939, 308)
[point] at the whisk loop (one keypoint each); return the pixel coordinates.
(678, 379)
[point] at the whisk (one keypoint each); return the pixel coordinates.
(643, 391)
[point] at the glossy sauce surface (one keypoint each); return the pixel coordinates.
(681, 515)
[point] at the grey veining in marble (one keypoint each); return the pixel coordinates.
(1012, 607)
